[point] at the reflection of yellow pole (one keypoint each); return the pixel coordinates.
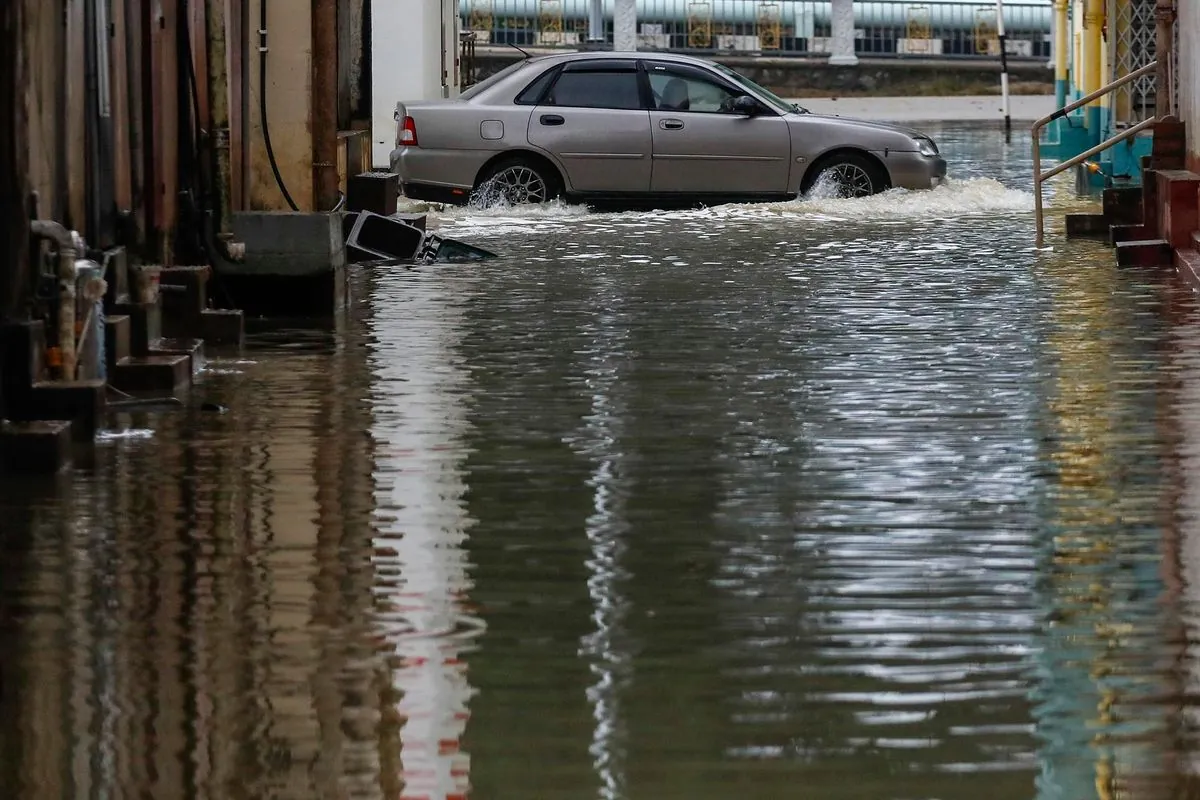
(1093, 45)
(1062, 53)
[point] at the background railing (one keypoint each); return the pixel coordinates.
(883, 28)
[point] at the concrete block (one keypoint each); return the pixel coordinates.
(1169, 148)
(376, 192)
(1145, 253)
(1086, 226)
(1150, 201)
(157, 375)
(37, 447)
(23, 354)
(288, 244)
(1123, 206)
(192, 348)
(222, 327)
(1178, 215)
(1129, 233)
(80, 402)
(116, 339)
(183, 297)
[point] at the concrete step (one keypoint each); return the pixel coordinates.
(1145, 253)
(184, 297)
(1086, 226)
(1178, 194)
(80, 402)
(117, 330)
(1129, 233)
(1187, 263)
(220, 327)
(1123, 206)
(36, 447)
(192, 348)
(157, 375)
(145, 325)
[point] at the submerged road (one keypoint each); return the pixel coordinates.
(832, 499)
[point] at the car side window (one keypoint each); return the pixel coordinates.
(532, 93)
(684, 90)
(596, 89)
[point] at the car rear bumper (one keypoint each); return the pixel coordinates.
(434, 193)
(438, 169)
(915, 171)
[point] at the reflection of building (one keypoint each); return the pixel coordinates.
(1101, 588)
(419, 555)
(202, 628)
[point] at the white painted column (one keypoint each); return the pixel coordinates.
(842, 12)
(625, 25)
(407, 44)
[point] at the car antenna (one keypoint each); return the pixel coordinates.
(514, 44)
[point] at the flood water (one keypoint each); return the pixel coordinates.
(830, 499)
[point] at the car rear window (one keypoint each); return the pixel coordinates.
(492, 80)
(596, 90)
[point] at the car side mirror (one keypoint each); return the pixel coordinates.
(745, 105)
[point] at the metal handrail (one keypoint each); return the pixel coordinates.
(1039, 177)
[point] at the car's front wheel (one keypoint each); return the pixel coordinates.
(847, 175)
(517, 181)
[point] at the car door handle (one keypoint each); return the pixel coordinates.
(551, 119)
(670, 124)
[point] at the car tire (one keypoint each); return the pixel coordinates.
(853, 174)
(518, 181)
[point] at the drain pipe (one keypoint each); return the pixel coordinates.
(70, 246)
(218, 111)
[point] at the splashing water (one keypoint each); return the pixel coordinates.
(953, 199)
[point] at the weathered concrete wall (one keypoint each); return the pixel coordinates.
(1189, 77)
(289, 112)
(801, 77)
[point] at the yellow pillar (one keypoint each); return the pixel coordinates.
(1093, 56)
(1062, 55)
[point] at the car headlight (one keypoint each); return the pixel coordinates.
(926, 147)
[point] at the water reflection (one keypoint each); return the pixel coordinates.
(854, 500)
(422, 583)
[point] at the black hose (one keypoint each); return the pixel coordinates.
(262, 100)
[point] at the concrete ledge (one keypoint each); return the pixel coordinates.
(222, 327)
(157, 375)
(81, 402)
(41, 447)
(1187, 264)
(289, 244)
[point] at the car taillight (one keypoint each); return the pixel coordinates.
(408, 132)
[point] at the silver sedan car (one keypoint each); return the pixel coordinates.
(643, 127)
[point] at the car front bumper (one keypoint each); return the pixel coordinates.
(915, 171)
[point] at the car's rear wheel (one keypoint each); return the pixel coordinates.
(518, 181)
(847, 175)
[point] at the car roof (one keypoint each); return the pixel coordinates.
(618, 54)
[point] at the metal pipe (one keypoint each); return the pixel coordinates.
(1003, 41)
(324, 104)
(596, 21)
(218, 113)
(1039, 178)
(69, 247)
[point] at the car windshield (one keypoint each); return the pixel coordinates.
(772, 98)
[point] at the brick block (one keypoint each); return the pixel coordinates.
(1144, 253)
(1178, 193)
